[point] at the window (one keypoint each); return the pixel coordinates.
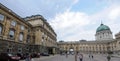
(11, 33)
(22, 27)
(0, 29)
(21, 37)
(13, 23)
(28, 30)
(1, 17)
(28, 38)
(20, 50)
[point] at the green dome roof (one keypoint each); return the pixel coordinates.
(102, 27)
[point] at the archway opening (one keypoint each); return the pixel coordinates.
(71, 51)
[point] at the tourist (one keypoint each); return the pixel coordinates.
(28, 57)
(80, 57)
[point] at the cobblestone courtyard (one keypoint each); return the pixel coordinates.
(72, 58)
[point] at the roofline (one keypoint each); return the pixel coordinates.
(42, 18)
(13, 14)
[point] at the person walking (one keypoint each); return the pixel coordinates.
(80, 57)
(28, 58)
(66, 54)
(108, 58)
(92, 56)
(89, 55)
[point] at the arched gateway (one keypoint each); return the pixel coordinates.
(71, 50)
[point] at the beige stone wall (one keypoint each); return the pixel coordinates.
(35, 27)
(36, 22)
(8, 18)
(88, 47)
(44, 35)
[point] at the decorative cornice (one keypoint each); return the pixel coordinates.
(13, 14)
(34, 17)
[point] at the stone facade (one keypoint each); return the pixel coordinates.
(45, 37)
(21, 35)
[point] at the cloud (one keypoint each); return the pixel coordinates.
(47, 8)
(69, 19)
(75, 1)
(70, 25)
(73, 26)
(114, 13)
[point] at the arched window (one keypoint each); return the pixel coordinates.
(11, 33)
(0, 29)
(21, 37)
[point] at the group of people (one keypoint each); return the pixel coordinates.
(80, 56)
(90, 56)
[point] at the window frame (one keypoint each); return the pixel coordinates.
(12, 36)
(1, 29)
(13, 23)
(22, 27)
(3, 17)
(21, 33)
(28, 39)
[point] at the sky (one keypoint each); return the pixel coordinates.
(72, 20)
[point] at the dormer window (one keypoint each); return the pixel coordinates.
(13, 23)
(1, 17)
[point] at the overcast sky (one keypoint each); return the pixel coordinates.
(72, 20)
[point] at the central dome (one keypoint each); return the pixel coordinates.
(102, 27)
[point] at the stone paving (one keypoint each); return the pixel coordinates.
(72, 58)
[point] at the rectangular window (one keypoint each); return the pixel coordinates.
(21, 37)
(22, 27)
(0, 29)
(11, 34)
(28, 30)
(28, 39)
(1, 17)
(13, 23)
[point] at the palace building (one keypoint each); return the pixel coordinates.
(104, 43)
(34, 34)
(29, 34)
